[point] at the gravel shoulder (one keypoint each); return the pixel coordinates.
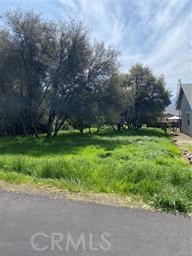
(184, 142)
(54, 193)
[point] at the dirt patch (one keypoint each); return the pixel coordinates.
(184, 142)
(100, 198)
(183, 139)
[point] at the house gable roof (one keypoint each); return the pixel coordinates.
(185, 89)
(170, 110)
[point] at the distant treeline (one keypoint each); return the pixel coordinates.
(52, 75)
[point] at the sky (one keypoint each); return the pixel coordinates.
(156, 33)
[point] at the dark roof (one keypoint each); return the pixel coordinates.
(187, 90)
(171, 110)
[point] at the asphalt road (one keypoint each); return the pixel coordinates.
(41, 226)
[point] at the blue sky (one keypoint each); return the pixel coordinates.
(153, 32)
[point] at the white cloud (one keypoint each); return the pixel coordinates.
(149, 31)
(171, 51)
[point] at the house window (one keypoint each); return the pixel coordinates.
(188, 119)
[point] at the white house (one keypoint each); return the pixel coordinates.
(184, 105)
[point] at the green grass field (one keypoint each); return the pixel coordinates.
(144, 163)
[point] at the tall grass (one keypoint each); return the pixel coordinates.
(143, 163)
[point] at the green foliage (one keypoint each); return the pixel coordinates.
(143, 163)
(52, 74)
(173, 203)
(150, 96)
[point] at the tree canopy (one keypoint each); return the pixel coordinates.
(51, 73)
(150, 96)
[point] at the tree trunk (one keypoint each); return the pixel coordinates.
(81, 130)
(58, 127)
(50, 124)
(90, 130)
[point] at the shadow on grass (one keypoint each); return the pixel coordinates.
(71, 142)
(150, 132)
